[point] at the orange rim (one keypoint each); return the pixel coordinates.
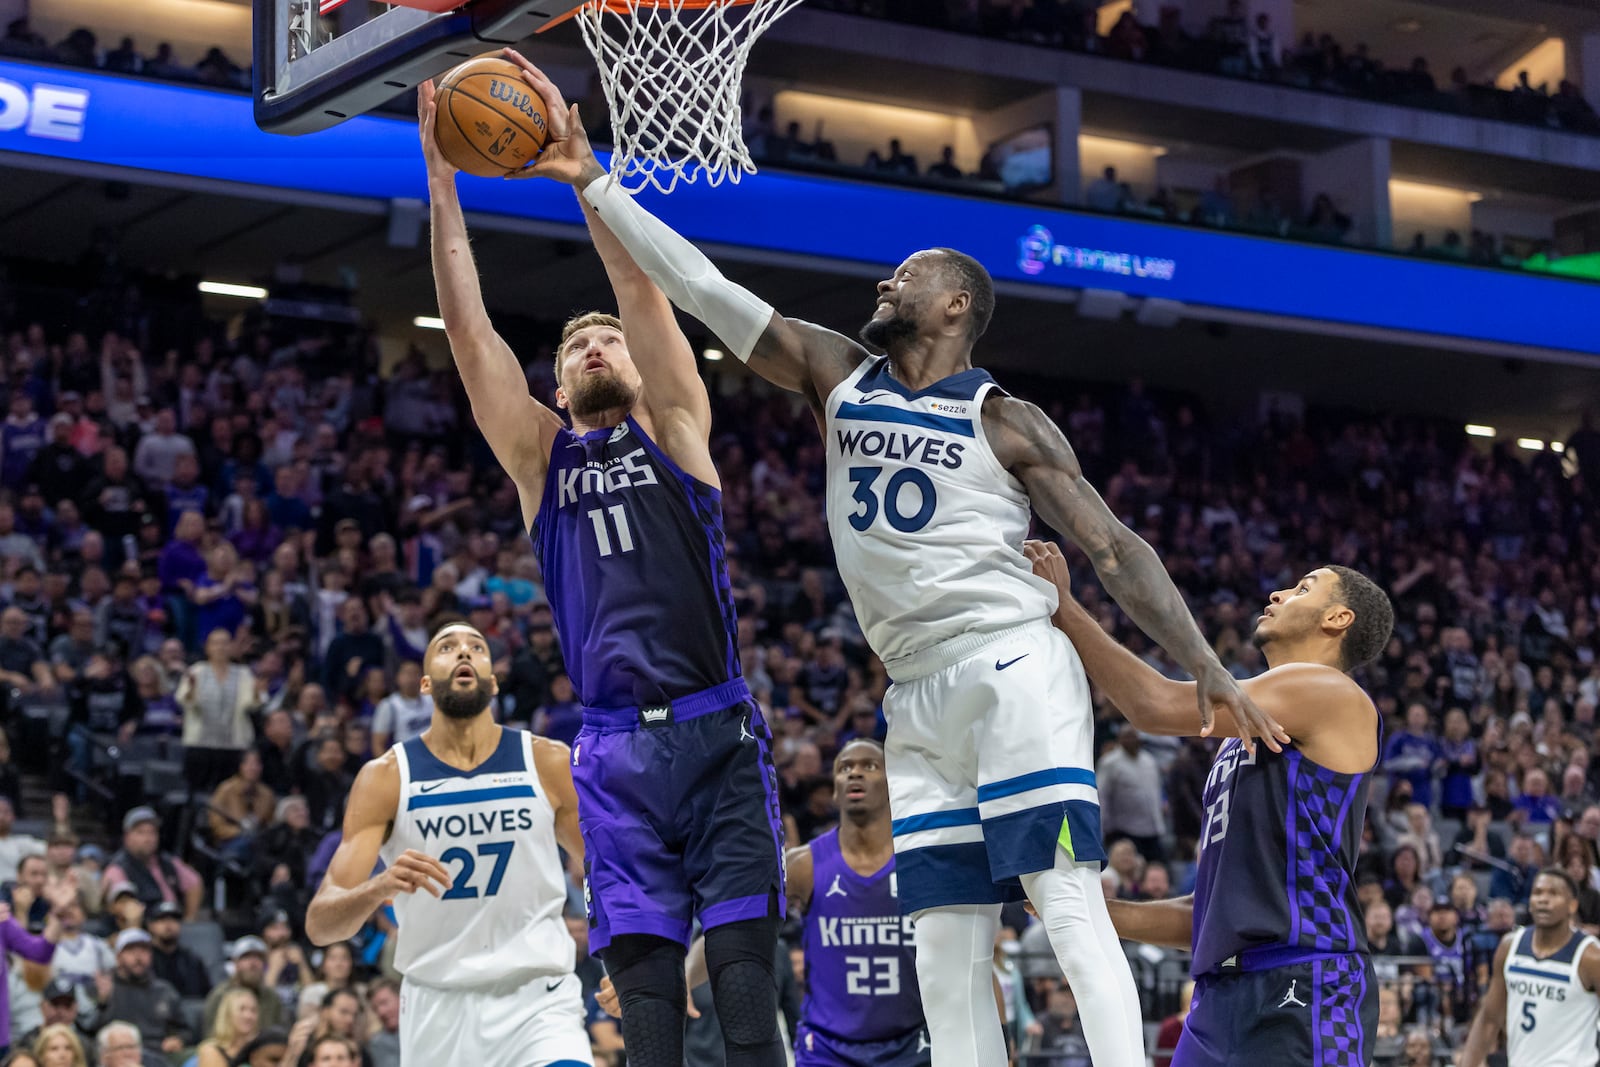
(624, 7)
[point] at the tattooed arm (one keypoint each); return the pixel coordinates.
(1033, 449)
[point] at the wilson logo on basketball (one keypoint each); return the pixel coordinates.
(517, 98)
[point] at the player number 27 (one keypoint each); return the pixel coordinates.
(869, 977)
(461, 887)
(865, 478)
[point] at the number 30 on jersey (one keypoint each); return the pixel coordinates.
(906, 500)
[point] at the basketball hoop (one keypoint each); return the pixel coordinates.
(673, 71)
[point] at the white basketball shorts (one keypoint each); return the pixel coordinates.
(990, 755)
(540, 1024)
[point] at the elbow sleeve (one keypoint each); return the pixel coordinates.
(682, 271)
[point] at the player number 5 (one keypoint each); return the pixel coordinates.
(1528, 1021)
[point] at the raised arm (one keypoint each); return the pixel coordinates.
(1491, 1018)
(790, 353)
(1031, 447)
(350, 892)
(1322, 709)
(518, 428)
(1168, 923)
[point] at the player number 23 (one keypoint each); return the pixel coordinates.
(894, 499)
(869, 977)
(461, 881)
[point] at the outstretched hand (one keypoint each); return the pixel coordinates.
(567, 156)
(1215, 688)
(427, 115)
(1049, 564)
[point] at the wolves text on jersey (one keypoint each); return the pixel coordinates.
(628, 472)
(926, 449)
(474, 823)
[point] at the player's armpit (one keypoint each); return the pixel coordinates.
(553, 762)
(805, 358)
(348, 894)
(1167, 923)
(1589, 968)
(798, 878)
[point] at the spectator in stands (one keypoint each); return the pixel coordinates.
(58, 1006)
(403, 714)
(355, 649)
(1384, 937)
(237, 1024)
(119, 1045)
(154, 875)
(384, 1044)
(241, 807)
(80, 957)
(23, 666)
(276, 749)
(283, 849)
(217, 697)
(14, 846)
(327, 784)
(1412, 754)
(1129, 779)
(1514, 879)
(249, 958)
(1405, 875)
(1104, 193)
(337, 1019)
(1420, 835)
(124, 59)
(140, 998)
(156, 458)
(170, 961)
(60, 1046)
(124, 908)
(945, 169)
(1534, 806)
(25, 895)
(336, 971)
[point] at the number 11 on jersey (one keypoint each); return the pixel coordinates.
(605, 520)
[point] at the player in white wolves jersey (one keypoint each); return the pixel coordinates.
(467, 817)
(931, 473)
(1544, 989)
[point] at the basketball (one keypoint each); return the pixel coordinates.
(490, 122)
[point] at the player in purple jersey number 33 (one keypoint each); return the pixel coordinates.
(1280, 957)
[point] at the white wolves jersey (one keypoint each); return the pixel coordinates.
(493, 828)
(926, 524)
(1550, 1017)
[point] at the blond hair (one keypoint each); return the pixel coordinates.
(223, 1031)
(55, 1030)
(583, 322)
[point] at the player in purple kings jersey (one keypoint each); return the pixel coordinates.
(862, 1007)
(1281, 966)
(676, 790)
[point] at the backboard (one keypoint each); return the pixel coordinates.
(319, 62)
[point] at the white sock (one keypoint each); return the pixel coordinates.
(1072, 906)
(955, 968)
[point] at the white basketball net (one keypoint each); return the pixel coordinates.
(673, 75)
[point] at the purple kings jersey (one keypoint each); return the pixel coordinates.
(633, 558)
(861, 966)
(1278, 852)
